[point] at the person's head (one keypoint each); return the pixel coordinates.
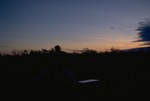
(57, 49)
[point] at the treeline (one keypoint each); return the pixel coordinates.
(53, 51)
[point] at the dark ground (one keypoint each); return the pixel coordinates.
(46, 75)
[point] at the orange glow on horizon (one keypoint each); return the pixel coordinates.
(103, 47)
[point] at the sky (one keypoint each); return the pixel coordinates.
(72, 24)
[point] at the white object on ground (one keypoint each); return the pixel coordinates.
(88, 81)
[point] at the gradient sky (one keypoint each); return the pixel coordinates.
(72, 24)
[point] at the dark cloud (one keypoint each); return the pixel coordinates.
(144, 32)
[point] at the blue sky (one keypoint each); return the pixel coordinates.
(73, 24)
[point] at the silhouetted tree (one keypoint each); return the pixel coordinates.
(144, 32)
(44, 51)
(89, 51)
(34, 52)
(25, 52)
(113, 50)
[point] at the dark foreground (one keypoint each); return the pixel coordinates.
(57, 75)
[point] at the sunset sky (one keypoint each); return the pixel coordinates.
(72, 24)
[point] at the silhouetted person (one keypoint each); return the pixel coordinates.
(57, 49)
(58, 78)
